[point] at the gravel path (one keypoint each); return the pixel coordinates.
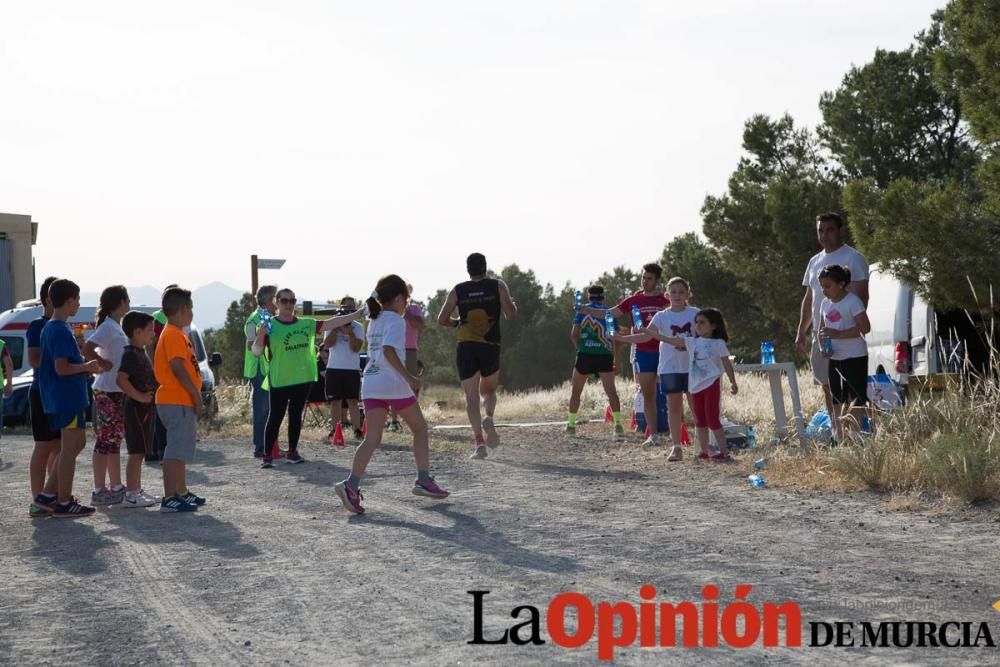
(274, 571)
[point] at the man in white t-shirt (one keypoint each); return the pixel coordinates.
(830, 233)
(343, 369)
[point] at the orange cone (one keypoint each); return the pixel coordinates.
(338, 436)
(608, 417)
(276, 451)
(685, 438)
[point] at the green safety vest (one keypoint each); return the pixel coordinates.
(160, 317)
(253, 364)
(293, 353)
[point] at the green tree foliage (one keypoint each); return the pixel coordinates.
(713, 285)
(888, 120)
(230, 340)
(763, 226)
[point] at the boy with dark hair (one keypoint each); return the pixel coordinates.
(46, 440)
(137, 382)
(62, 379)
(178, 400)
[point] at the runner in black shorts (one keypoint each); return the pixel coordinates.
(594, 356)
(480, 302)
(47, 439)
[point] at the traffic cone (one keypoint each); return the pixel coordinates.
(338, 436)
(633, 425)
(685, 438)
(608, 417)
(276, 451)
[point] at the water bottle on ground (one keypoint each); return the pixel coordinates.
(636, 317)
(766, 352)
(756, 481)
(751, 437)
(759, 464)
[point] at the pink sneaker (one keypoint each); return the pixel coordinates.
(351, 497)
(429, 489)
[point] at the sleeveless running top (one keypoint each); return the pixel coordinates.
(479, 311)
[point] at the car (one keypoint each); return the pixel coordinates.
(14, 325)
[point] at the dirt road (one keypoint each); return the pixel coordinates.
(274, 571)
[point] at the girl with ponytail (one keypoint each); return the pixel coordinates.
(106, 346)
(385, 385)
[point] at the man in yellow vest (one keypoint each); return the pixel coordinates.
(255, 368)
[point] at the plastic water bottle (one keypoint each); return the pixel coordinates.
(766, 352)
(577, 299)
(609, 323)
(826, 344)
(759, 464)
(636, 317)
(751, 437)
(756, 481)
(265, 317)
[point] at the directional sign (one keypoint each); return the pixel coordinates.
(270, 263)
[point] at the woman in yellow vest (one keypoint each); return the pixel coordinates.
(290, 342)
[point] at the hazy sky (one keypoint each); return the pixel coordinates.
(167, 142)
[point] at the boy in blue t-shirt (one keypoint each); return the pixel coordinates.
(62, 380)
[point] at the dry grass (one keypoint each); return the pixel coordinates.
(944, 443)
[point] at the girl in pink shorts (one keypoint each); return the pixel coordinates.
(387, 385)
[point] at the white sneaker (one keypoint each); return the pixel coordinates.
(651, 441)
(139, 499)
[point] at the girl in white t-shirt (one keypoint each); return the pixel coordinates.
(107, 345)
(677, 320)
(708, 357)
(844, 323)
(385, 385)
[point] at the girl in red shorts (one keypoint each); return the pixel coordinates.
(385, 385)
(708, 357)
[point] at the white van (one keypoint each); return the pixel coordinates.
(910, 340)
(14, 326)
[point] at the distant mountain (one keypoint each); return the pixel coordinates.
(210, 302)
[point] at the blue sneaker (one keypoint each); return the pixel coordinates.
(176, 504)
(103, 497)
(42, 506)
(71, 510)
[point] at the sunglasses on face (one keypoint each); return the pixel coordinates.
(286, 301)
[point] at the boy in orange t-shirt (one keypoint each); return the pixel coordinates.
(178, 400)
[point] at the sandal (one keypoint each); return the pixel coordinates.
(676, 453)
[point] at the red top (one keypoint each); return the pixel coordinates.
(648, 306)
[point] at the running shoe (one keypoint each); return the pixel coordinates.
(103, 497)
(71, 510)
(619, 431)
(350, 496)
(492, 437)
(429, 489)
(41, 506)
(570, 430)
(652, 441)
(480, 453)
(294, 457)
(118, 493)
(197, 501)
(176, 504)
(676, 453)
(704, 456)
(719, 457)
(134, 499)
(266, 463)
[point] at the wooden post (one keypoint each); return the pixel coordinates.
(253, 275)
